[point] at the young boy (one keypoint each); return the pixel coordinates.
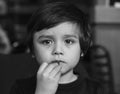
(58, 35)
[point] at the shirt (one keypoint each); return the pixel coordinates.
(83, 85)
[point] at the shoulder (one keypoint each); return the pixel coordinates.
(24, 86)
(95, 86)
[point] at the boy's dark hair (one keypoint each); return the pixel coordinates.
(52, 14)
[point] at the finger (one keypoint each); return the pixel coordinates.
(58, 75)
(49, 68)
(55, 71)
(42, 67)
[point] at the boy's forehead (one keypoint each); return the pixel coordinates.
(63, 28)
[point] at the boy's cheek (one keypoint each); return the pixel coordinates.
(43, 58)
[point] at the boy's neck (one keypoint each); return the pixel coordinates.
(68, 77)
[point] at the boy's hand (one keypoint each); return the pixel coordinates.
(47, 78)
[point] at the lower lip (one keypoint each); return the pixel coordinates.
(58, 63)
(61, 63)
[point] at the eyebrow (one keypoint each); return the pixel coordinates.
(68, 36)
(65, 36)
(45, 36)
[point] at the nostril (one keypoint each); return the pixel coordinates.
(58, 53)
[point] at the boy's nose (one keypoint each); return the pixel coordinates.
(57, 50)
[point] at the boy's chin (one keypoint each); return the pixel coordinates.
(65, 72)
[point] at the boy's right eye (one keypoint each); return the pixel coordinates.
(46, 42)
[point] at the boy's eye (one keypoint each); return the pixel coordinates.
(69, 41)
(46, 42)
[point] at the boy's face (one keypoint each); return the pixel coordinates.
(59, 44)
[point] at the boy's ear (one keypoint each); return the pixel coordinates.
(82, 54)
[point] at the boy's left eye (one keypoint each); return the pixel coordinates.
(69, 41)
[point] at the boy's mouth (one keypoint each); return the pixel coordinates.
(58, 61)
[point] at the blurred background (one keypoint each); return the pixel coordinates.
(104, 56)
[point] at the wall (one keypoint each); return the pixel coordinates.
(107, 33)
(109, 36)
